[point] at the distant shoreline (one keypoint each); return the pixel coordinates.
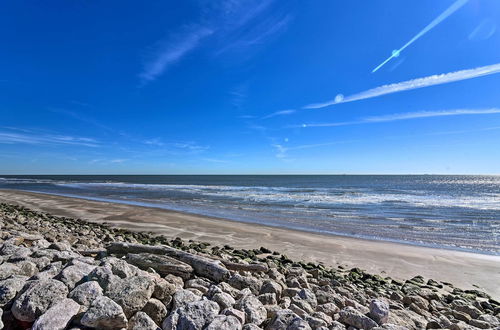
(401, 261)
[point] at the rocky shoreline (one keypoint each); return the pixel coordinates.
(62, 273)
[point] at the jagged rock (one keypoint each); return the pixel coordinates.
(86, 292)
(156, 310)
(102, 275)
(58, 316)
(120, 267)
(329, 309)
(10, 287)
(104, 313)
(7, 270)
(37, 298)
(74, 274)
(50, 271)
(194, 315)
(163, 289)
(267, 298)
(183, 297)
(240, 315)
(379, 311)
(224, 300)
(309, 296)
(271, 286)
(336, 326)
(224, 322)
(351, 316)
(131, 293)
(141, 321)
(255, 312)
(281, 320)
(299, 324)
(462, 306)
(240, 282)
(163, 265)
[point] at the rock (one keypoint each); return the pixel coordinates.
(251, 326)
(271, 286)
(417, 300)
(299, 324)
(50, 271)
(351, 316)
(490, 319)
(196, 315)
(8, 269)
(224, 322)
(379, 311)
(309, 296)
(60, 246)
(183, 297)
(315, 322)
(163, 265)
(255, 312)
(58, 316)
(102, 275)
(141, 321)
(267, 298)
(38, 298)
(10, 287)
(240, 282)
(74, 274)
(336, 326)
(480, 324)
(281, 320)
(329, 309)
(236, 313)
(104, 313)
(156, 310)
(462, 306)
(163, 289)
(131, 293)
(86, 292)
(120, 267)
(461, 316)
(224, 300)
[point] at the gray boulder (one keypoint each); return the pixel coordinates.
(156, 310)
(58, 316)
(351, 316)
(73, 274)
(379, 311)
(224, 300)
(183, 297)
(255, 312)
(10, 287)
(281, 320)
(141, 321)
(193, 316)
(132, 293)
(224, 322)
(104, 313)
(86, 293)
(38, 298)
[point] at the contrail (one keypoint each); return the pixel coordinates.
(453, 8)
(437, 79)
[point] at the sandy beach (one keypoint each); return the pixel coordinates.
(400, 261)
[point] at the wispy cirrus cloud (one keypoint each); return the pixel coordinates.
(232, 24)
(405, 116)
(173, 50)
(29, 137)
(280, 113)
(438, 79)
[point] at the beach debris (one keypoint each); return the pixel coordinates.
(62, 273)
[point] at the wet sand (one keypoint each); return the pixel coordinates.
(400, 261)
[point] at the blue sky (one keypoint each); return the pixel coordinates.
(241, 86)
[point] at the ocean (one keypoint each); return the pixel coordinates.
(446, 211)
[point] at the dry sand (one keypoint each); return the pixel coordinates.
(400, 261)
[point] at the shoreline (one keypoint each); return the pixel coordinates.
(400, 261)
